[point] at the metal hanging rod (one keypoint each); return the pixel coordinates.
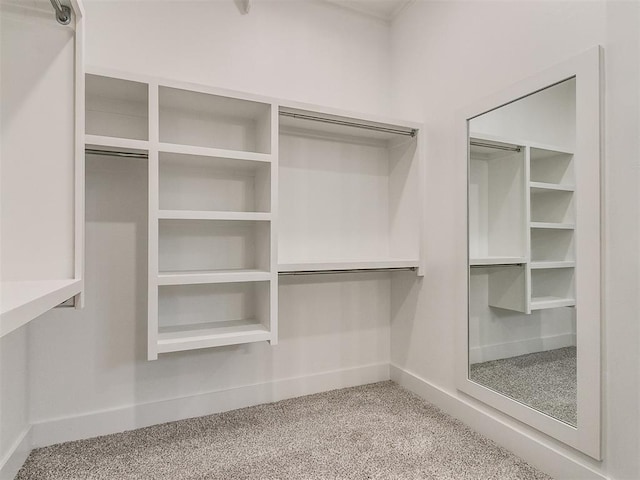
(497, 147)
(410, 133)
(110, 153)
(63, 13)
(350, 270)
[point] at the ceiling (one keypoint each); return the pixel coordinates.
(385, 10)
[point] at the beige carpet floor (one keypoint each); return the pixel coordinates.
(376, 431)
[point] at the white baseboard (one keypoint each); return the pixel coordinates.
(540, 451)
(487, 353)
(137, 416)
(16, 456)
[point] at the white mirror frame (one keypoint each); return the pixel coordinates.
(586, 68)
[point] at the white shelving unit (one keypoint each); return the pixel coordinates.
(241, 188)
(522, 222)
(212, 275)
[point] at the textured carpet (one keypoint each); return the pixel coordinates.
(545, 381)
(374, 431)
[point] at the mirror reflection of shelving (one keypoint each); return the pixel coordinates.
(552, 228)
(496, 203)
(522, 254)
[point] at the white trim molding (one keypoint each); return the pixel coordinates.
(106, 422)
(541, 451)
(13, 460)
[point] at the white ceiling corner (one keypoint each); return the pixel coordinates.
(386, 10)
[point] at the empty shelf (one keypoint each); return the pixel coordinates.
(540, 303)
(558, 264)
(496, 261)
(551, 186)
(115, 143)
(212, 276)
(213, 334)
(210, 215)
(214, 152)
(23, 301)
(551, 225)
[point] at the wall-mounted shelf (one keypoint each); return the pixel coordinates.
(496, 261)
(214, 334)
(543, 265)
(552, 225)
(541, 303)
(205, 215)
(214, 152)
(23, 301)
(214, 276)
(550, 186)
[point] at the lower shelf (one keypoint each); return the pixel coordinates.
(541, 303)
(213, 334)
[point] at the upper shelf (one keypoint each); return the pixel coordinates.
(22, 301)
(116, 108)
(207, 120)
(488, 261)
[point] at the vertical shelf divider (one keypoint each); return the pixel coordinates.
(152, 321)
(273, 267)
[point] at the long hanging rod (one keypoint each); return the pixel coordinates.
(109, 153)
(497, 147)
(63, 13)
(410, 133)
(351, 270)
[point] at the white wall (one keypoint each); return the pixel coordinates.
(94, 361)
(303, 50)
(446, 55)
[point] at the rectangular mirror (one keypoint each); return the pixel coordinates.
(531, 343)
(522, 308)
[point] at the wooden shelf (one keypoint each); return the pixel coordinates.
(550, 225)
(21, 302)
(207, 215)
(214, 334)
(214, 276)
(541, 303)
(496, 261)
(214, 152)
(559, 264)
(347, 265)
